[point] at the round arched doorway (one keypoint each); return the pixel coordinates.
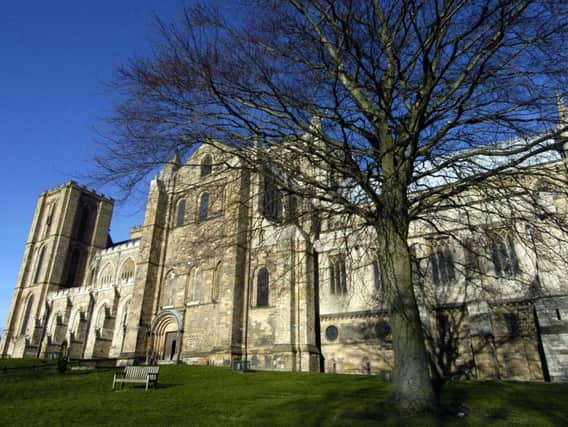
(166, 334)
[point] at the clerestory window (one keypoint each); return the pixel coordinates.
(337, 276)
(504, 256)
(442, 263)
(262, 288)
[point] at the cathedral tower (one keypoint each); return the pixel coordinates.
(69, 224)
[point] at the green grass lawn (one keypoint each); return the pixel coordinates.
(191, 395)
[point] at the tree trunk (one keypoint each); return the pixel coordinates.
(412, 389)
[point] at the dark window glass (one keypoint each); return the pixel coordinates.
(443, 326)
(204, 207)
(39, 265)
(271, 199)
(382, 329)
(331, 333)
(292, 208)
(206, 166)
(442, 261)
(332, 278)
(513, 326)
(504, 257)
(262, 288)
(180, 215)
(27, 315)
(435, 274)
(450, 264)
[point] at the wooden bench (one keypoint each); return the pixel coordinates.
(137, 374)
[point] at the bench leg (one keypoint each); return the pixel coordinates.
(147, 382)
(113, 382)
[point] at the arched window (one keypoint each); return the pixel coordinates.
(271, 199)
(337, 275)
(504, 256)
(180, 214)
(206, 165)
(39, 264)
(195, 285)
(262, 288)
(203, 207)
(216, 283)
(107, 274)
(27, 314)
(127, 271)
(442, 262)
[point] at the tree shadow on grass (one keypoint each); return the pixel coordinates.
(321, 408)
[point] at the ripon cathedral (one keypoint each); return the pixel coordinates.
(227, 268)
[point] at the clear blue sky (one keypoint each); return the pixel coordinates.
(54, 60)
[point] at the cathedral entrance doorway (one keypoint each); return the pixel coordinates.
(166, 337)
(170, 346)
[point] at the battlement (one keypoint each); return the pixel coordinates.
(126, 244)
(83, 188)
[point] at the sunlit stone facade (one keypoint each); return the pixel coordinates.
(226, 267)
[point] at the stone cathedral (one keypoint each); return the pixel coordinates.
(225, 268)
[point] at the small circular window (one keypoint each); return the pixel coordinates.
(331, 333)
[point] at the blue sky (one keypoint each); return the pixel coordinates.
(55, 59)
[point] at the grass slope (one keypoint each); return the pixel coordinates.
(191, 395)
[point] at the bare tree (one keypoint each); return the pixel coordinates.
(380, 111)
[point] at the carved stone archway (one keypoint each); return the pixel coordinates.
(166, 338)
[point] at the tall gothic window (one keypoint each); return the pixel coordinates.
(337, 276)
(262, 288)
(180, 214)
(504, 256)
(442, 262)
(206, 166)
(27, 315)
(203, 207)
(271, 199)
(39, 264)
